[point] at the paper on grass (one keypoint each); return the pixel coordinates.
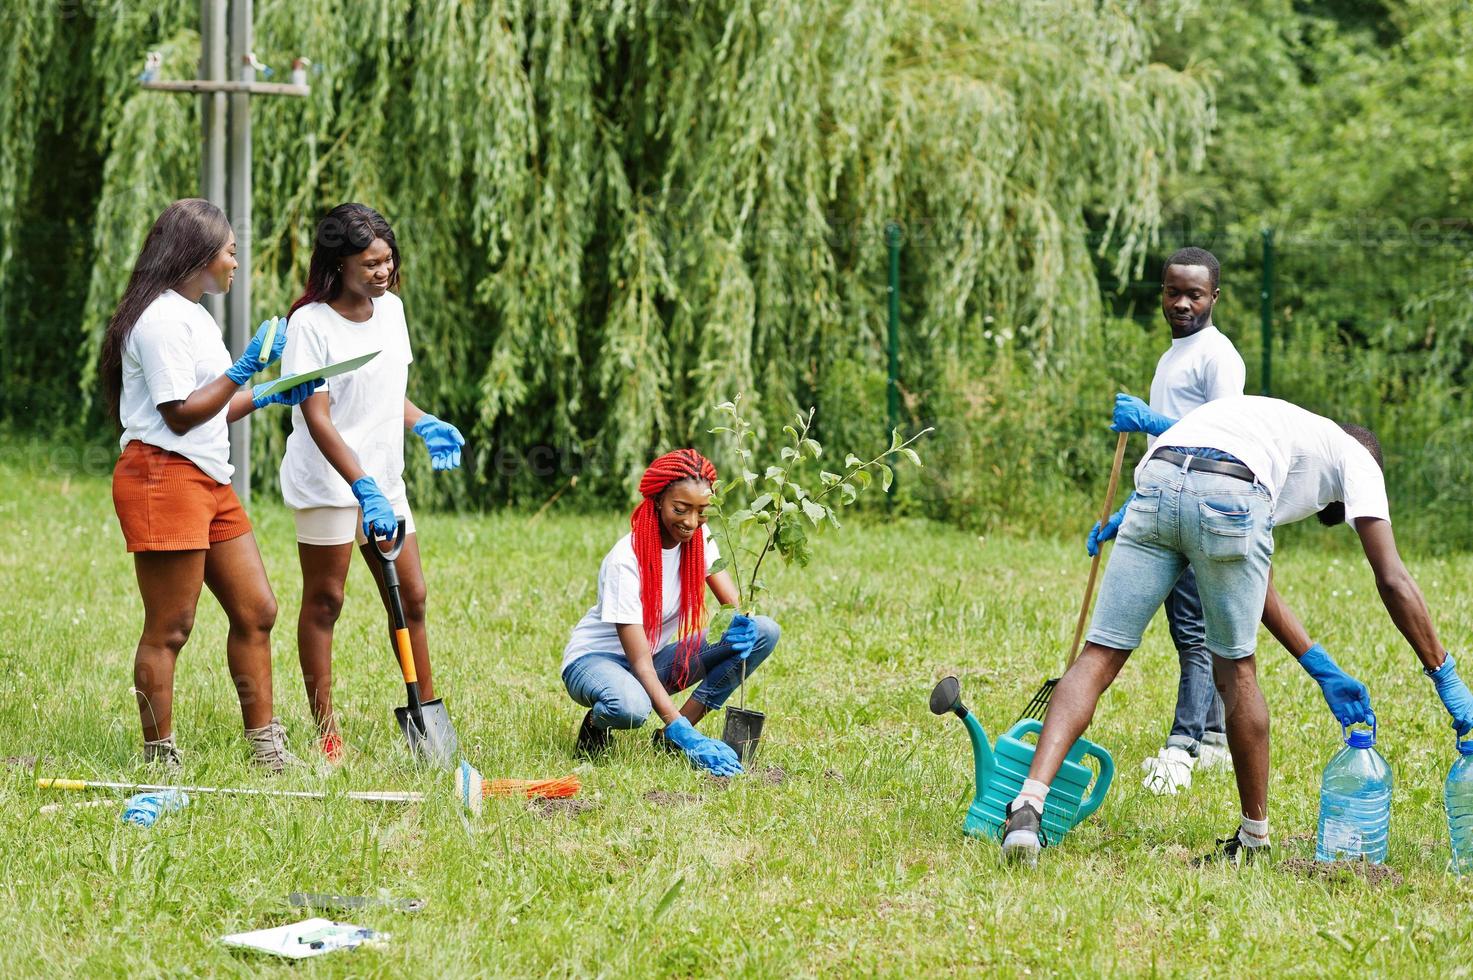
(310, 937)
(332, 370)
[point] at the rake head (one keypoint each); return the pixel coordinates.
(1038, 707)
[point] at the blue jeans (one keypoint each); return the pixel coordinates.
(1220, 526)
(1198, 706)
(604, 682)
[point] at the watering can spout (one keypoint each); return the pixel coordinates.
(947, 696)
(981, 748)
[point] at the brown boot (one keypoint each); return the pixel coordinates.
(268, 747)
(164, 754)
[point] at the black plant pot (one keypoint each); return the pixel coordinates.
(743, 732)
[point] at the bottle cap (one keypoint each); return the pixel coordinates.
(1360, 738)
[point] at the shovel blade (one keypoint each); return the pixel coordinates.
(438, 744)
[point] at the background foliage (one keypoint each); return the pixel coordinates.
(616, 214)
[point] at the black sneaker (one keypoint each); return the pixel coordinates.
(1232, 851)
(1022, 835)
(592, 740)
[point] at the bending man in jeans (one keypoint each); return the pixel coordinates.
(1209, 494)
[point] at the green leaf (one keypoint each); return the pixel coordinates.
(791, 432)
(814, 512)
(719, 565)
(895, 440)
(789, 453)
(668, 899)
(829, 479)
(850, 493)
(887, 476)
(812, 448)
(912, 455)
(750, 479)
(862, 478)
(761, 502)
(851, 461)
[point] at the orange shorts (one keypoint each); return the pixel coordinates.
(166, 503)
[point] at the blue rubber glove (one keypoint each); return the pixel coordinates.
(442, 439)
(250, 362)
(292, 396)
(1455, 695)
(1347, 697)
(741, 635)
(715, 757)
(1134, 415)
(378, 516)
(1099, 534)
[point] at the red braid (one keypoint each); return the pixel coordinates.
(683, 464)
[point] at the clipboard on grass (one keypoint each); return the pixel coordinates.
(332, 370)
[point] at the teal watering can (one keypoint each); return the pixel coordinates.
(1001, 770)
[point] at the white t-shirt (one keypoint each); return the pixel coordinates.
(174, 349)
(366, 405)
(1306, 461)
(1194, 371)
(618, 599)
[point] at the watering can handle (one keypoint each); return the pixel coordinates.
(1101, 785)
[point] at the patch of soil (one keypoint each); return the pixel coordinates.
(660, 797)
(569, 806)
(27, 763)
(721, 782)
(774, 775)
(833, 774)
(1363, 871)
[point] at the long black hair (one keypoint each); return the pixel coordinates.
(182, 242)
(347, 230)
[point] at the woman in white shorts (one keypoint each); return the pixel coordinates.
(343, 472)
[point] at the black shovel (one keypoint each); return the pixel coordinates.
(426, 725)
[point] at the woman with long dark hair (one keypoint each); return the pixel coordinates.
(343, 472)
(166, 369)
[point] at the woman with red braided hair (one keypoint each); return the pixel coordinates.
(643, 640)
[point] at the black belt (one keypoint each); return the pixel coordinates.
(1205, 464)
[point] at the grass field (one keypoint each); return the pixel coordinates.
(853, 863)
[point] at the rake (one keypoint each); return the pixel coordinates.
(1038, 707)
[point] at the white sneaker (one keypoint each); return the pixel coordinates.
(1168, 771)
(1214, 755)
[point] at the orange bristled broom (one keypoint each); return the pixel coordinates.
(552, 789)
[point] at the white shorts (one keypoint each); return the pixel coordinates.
(340, 525)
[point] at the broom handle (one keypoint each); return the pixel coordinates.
(1094, 565)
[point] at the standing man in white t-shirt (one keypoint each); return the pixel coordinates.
(1209, 493)
(1201, 365)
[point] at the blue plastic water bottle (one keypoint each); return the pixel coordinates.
(1459, 796)
(1355, 802)
(146, 808)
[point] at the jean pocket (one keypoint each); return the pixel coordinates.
(1227, 527)
(1142, 515)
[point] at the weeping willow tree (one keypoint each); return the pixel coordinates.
(615, 214)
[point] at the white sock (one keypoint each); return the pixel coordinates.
(1253, 833)
(1033, 794)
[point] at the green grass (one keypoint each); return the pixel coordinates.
(854, 864)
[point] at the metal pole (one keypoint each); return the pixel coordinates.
(1266, 311)
(892, 239)
(214, 117)
(242, 61)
